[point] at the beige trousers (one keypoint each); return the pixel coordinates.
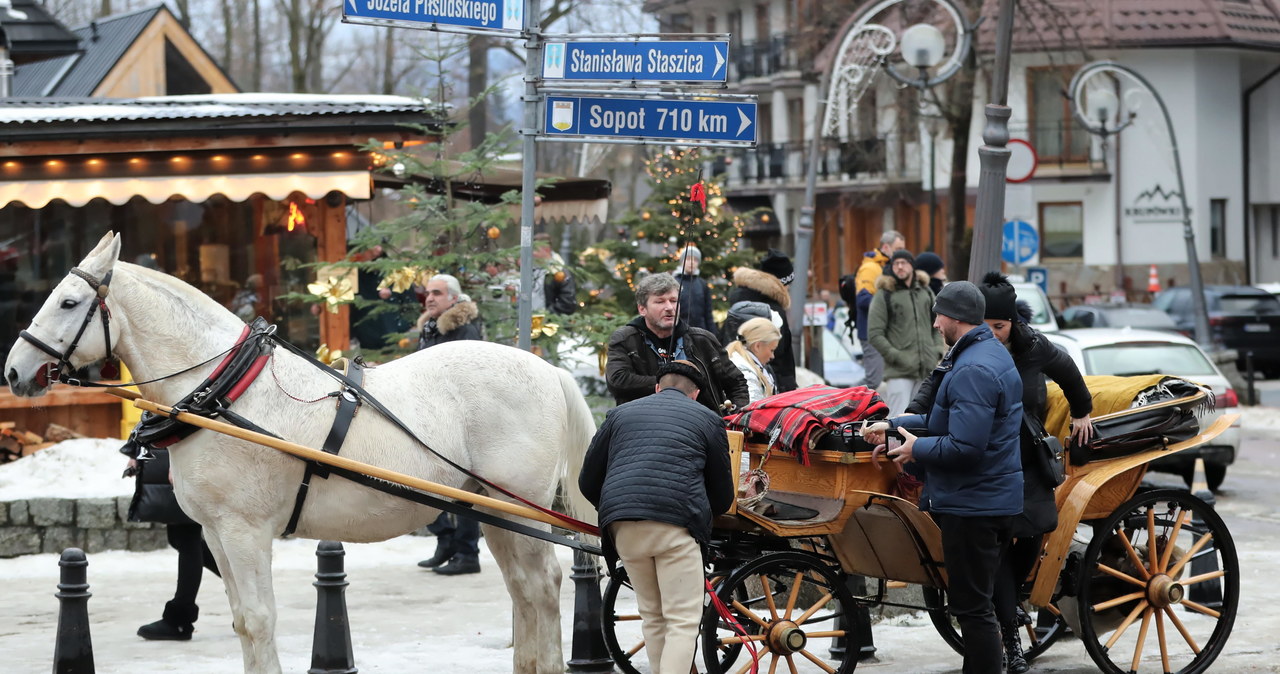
(664, 563)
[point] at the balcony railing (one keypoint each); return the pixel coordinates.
(882, 158)
(762, 58)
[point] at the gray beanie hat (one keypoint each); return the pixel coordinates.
(962, 301)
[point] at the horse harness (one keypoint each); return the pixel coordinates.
(63, 368)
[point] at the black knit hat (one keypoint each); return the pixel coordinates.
(777, 263)
(902, 254)
(929, 263)
(683, 368)
(1002, 299)
(962, 301)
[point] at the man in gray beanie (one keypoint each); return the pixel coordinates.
(969, 459)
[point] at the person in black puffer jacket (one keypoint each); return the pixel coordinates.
(768, 283)
(639, 348)
(657, 471)
(1035, 357)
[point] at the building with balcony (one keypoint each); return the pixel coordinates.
(1101, 209)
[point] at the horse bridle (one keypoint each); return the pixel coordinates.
(64, 367)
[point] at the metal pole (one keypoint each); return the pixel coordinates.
(804, 228)
(994, 157)
(933, 188)
(589, 653)
(73, 647)
(1188, 234)
(528, 181)
(331, 651)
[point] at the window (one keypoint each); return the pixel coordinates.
(676, 23)
(1218, 227)
(762, 23)
(735, 25)
(1054, 132)
(764, 118)
(795, 120)
(1062, 230)
(711, 23)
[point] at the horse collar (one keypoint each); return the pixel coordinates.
(63, 367)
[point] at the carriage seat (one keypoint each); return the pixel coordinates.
(790, 508)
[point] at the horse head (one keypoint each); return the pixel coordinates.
(70, 330)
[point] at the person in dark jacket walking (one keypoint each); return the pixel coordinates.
(768, 283)
(639, 348)
(450, 316)
(695, 294)
(969, 461)
(154, 501)
(657, 471)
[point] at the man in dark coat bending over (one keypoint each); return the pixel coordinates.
(970, 461)
(657, 471)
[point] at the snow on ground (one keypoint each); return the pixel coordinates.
(81, 468)
(1260, 418)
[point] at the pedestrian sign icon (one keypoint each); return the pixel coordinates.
(562, 115)
(553, 60)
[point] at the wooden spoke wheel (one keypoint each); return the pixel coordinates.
(1159, 586)
(1046, 626)
(788, 607)
(623, 636)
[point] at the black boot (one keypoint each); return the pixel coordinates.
(1014, 661)
(444, 551)
(459, 565)
(176, 624)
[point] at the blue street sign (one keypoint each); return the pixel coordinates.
(1021, 242)
(647, 118)
(1040, 277)
(682, 61)
(497, 15)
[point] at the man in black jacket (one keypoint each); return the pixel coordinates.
(450, 316)
(639, 348)
(657, 471)
(695, 294)
(768, 283)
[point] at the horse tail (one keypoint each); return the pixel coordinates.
(580, 427)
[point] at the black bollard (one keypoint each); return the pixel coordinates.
(1250, 392)
(73, 649)
(331, 644)
(588, 652)
(858, 628)
(1206, 593)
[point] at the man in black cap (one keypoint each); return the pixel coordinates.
(768, 283)
(969, 461)
(658, 471)
(900, 327)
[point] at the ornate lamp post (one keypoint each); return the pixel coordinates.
(863, 51)
(1094, 108)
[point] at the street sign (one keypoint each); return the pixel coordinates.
(1021, 242)
(476, 15)
(675, 61)
(1040, 277)
(642, 119)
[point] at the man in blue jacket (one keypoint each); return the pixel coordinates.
(657, 471)
(970, 462)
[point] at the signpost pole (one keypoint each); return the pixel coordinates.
(528, 178)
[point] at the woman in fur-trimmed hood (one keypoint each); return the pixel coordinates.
(450, 315)
(768, 283)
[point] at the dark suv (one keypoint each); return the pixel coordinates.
(1243, 318)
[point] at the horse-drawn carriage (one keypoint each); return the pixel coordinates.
(783, 572)
(1121, 559)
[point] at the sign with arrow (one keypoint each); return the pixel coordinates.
(480, 16)
(644, 118)
(665, 61)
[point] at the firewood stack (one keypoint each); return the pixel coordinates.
(16, 443)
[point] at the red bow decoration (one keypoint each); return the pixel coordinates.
(698, 193)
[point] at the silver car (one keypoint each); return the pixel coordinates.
(1126, 352)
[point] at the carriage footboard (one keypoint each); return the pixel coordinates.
(888, 537)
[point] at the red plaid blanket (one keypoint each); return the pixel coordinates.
(796, 420)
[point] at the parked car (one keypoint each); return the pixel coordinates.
(1243, 318)
(1043, 317)
(1127, 352)
(1141, 316)
(841, 367)
(1273, 288)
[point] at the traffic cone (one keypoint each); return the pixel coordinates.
(1153, 280)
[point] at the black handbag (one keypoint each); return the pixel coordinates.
(1047, 450)
(153, 498)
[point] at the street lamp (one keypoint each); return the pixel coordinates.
(1104, 105)
(863, 51)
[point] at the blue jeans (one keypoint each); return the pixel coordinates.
(463, 533)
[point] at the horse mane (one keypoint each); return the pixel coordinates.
(183, 292)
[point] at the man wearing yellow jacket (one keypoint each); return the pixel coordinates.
(873, 263)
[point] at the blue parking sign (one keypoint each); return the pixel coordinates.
(1040, 277)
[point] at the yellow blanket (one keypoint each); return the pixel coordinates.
(1110, 394)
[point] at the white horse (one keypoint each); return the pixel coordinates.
(503, 413)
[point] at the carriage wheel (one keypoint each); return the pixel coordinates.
(1047, 625)
(623, 636)
(788, 604)
(1164, 560)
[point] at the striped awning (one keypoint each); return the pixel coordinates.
(158, 189)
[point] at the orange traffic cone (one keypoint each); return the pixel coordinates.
(1153, 281)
